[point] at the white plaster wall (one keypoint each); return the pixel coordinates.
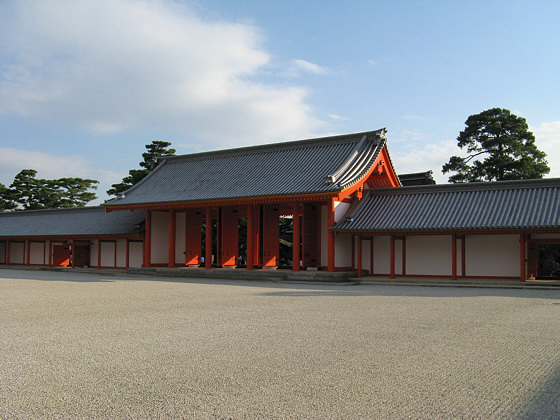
(160, 237)
(93, 252)
(492, 255)
(36, 252)
(180, 239)
(324, 237)
(135, 254)
(429, 255)
(121, 252)
(340, 210)
(381, 255)
(2, 252)
(343, 250)
(17, 252)
(108, 254)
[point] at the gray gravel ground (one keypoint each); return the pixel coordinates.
(116, 346)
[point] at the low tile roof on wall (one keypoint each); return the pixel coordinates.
(527, 204)
(81, 221)
(312, 166)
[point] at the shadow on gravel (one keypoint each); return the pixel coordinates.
(546, 402)
(292, 289)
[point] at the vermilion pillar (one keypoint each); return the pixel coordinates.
(330, 243)
(147, 241)
(208, 256)
(295, 238)
(50, 253)
(28, 251)
(250, 238)
(171, 246)
(127, 261)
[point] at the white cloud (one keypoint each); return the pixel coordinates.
(48, 166)
(338, 117)
(547, 137)
(131, 64)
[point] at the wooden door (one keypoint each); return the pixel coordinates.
(61, 255)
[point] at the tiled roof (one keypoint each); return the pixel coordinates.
(530, 204)
(81, 221)
(312, 166)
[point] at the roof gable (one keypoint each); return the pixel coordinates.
(315, 166)
(529, 204)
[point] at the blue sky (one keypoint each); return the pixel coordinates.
(85, 85)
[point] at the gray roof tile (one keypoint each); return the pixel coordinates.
(81, 221)
(528, 204)
(291, 168)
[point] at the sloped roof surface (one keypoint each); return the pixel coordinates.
(322, 165)
(82, 221)
(532, 204)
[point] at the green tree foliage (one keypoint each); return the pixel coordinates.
(30, 193)
(155, 149)
(499, 147)
(6, 202)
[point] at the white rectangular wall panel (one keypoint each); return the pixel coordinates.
(17, 252)
(36, 253)
(382, 255)
(121, 252)
(160, 237)
(108, 254)
(135, 254)
(429, 255)
(493, 255)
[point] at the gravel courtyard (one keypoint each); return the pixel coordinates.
(117, 346)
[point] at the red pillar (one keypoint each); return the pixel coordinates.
(523, 273)
(330, 243)
(171, 246)
(258, 235)
(250, 238)
(7, 252)
(295, 238)
(208, 256)
(392, 273)
(148, 239)
(50, 253)
(453, 257)
(359, 256)
(99, 253)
